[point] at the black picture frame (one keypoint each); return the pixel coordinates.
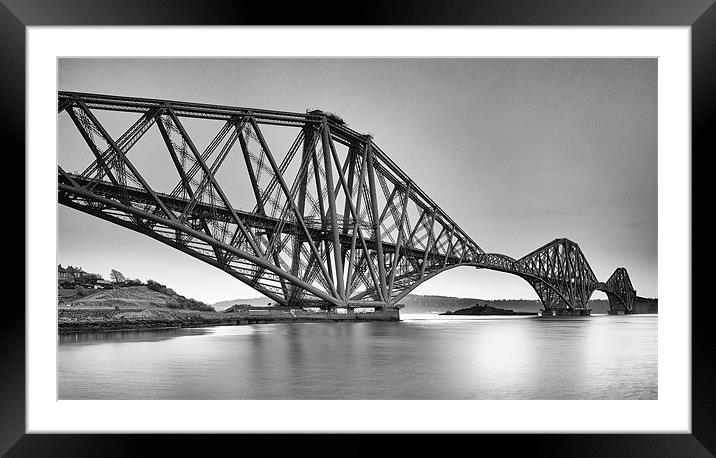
(700, 15)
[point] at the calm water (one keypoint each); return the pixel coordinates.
(422, 357)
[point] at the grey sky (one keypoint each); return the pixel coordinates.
(517, 151)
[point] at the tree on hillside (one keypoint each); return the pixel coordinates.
(117, 276)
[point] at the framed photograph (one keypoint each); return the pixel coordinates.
(359, 226)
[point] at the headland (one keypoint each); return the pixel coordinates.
(152, 305)
(487, 310)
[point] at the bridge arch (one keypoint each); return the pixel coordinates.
(616, 302)
(479, 266)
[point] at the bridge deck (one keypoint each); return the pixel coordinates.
(318, 230)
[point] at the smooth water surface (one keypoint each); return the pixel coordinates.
(422, 357)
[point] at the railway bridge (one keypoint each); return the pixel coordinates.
(330, 220)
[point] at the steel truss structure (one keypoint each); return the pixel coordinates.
(332, 221)
(620, 291)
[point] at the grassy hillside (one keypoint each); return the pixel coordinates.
(129, 307)
(151, 295)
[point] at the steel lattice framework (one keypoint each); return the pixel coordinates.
(332, 222)
(620, 291)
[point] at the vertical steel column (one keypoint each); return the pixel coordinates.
(308, 138)
(337, 255)
(319, 191)
(356, 229)
(401, 230)
(351, 175)
(569, 274)
(355, 212)
(376, 220)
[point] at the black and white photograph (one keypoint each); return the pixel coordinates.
(387, 231)
(357, 228)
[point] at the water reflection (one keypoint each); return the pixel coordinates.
(423, 357)
(128, 336)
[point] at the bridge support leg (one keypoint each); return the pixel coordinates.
(616, 306)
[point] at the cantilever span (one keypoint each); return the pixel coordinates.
(331, 220)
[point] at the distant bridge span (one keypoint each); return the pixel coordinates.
(331, 221)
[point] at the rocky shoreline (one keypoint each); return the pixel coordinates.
(98, 319)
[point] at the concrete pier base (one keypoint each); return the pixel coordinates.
(565, 312)
(253, 315)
